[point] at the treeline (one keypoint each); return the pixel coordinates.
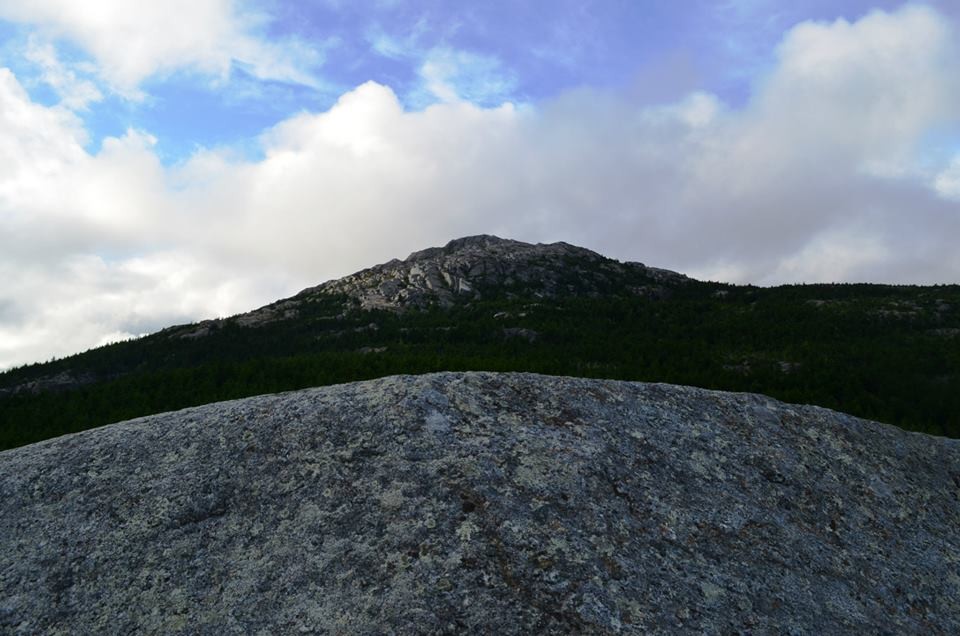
(885, 353)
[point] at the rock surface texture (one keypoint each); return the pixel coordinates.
(488, 504)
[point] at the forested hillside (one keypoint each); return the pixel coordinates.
(889, 353)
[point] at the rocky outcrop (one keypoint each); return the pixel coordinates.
(467, 266)
(487, 504)
(462, 270)
(280, 310)
(62, 381)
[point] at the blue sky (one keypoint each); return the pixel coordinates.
(174, 161)
(502, 51)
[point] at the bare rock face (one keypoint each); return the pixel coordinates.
(465, 266)
(484, 503)
(61, 381)
(462, 269)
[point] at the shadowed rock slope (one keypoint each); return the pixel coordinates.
(484, 503)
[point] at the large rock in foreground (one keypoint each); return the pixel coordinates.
(483, 503)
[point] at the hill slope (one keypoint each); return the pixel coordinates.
(484, 503)
(484, 303)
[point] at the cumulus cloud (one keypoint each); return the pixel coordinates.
(81, 301)
(820, 176)
(87, 252)
(131, 42)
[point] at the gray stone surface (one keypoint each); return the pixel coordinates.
(484, 503)
(465, 265)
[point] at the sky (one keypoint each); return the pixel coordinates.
(162, 163)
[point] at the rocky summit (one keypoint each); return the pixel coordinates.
(465, 267)
(484, 503)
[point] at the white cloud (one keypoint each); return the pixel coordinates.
(451, 75)
(947, 183)
(132, 41)
(835, 256)
(446, 74)
(94, 246)
(34, 141)
(894, 71)
(78, 302)
(75, 93)
(396, 47)
(783, 189)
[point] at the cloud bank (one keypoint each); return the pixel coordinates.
(133, 41)
(830, 172)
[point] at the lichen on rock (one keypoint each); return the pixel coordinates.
(483, 503)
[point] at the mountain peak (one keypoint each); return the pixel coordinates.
(476, 241)
(491, 245)
(472, 266)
